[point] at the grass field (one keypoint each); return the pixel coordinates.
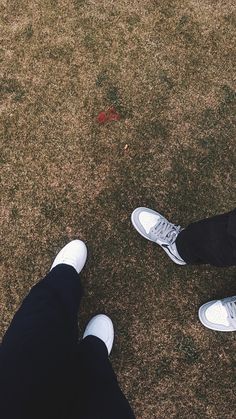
(168, 67)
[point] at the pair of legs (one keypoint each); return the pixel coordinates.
(210, 241)
(45, 372)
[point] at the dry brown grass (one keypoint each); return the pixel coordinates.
(169, 68)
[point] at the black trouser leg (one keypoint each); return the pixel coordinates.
(44, 373)
(37, 351)
(211, 241)
(102, 395)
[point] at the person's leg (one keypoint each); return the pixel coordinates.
(37, 350)
(103, 398)
(211, 241)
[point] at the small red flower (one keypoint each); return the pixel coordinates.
(110, 115)
(102, 117)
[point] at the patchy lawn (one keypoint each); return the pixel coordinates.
(168, 67)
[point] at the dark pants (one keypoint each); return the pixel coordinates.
(211, 241)
(44, 372)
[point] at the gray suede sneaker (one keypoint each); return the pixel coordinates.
(219, 315)
(154, 227)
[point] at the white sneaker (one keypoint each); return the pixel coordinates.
(153, 226)
(101, 326)
(73, 254)
(219, 314)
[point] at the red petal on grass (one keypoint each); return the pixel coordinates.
(102, 117)
(112, 115)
